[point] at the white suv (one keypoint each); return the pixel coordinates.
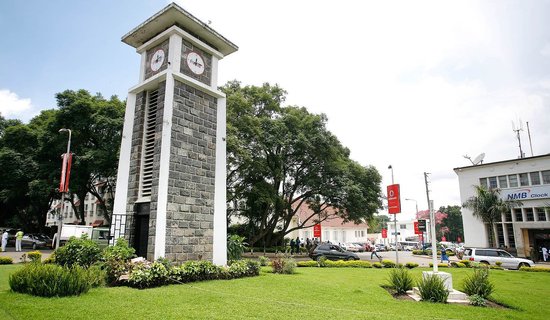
(491, 256)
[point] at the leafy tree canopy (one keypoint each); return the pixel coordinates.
(281, 158)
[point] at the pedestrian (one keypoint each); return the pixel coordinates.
(544, 253)
(292, 244)
(18, 238)
(297, 245)
(444, 256)
(374, 253)
(4, 240)
(308, 244)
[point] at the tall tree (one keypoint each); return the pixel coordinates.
(489, 207)
(453, 223)
(281, 158)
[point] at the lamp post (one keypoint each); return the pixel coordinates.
(394, 223)
(416, 204)
(60, 218)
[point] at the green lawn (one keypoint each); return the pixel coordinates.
(311, 293)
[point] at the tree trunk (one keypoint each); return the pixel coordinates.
(495, 235)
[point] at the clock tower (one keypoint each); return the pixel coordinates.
(171, 182)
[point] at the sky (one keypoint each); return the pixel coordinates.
(412, 84)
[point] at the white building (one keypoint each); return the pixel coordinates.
(523, 228)
(93, 214)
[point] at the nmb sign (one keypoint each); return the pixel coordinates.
(531, 193)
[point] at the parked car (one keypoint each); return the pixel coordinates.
(332, 252)
(490, 256)
(380, 247)
(33, 241)
(351, 247)
(361, 247)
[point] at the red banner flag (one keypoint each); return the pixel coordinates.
(317, 230)
(394, 202)
(65, 172)
(416, 229)
(384, 233)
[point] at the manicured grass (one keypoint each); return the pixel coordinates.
(321, 293)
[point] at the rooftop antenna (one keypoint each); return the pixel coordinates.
(517, 130)
(529, 135)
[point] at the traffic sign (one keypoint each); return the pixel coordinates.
(421, 225)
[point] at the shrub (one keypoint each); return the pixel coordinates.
(34, 256)
(6, 260)
(78, 251)
(477, 300)
(457, 265)
(478, 284)
(309, 263)
(235, 247)
(440, 265)
(433, 289)
(322, 261)
(498, 263)
(96, 276)
(49, 260)
(120, 251)
(388, 263)
(411, 265)
(48, 280)
(116, 260)
(534, 269)
(377, 265)
(466, 263)
(264, 261)
(418, 252)
(283, 265)
(146, 275)
(400, 280)
(357, 264)
(243, 268)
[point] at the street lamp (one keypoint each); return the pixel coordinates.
(60, 217)
(416, 204)
(394, 222)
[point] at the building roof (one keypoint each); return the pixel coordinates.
(501, 162)
(175, 15)
(333, 221)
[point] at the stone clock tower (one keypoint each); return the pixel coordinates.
(170, 192)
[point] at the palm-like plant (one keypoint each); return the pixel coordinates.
(489, 207)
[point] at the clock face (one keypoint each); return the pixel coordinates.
(157, 60)
(195, 62)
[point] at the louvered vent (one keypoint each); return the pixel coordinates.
(149, 143)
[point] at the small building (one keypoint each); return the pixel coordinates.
(524, 229)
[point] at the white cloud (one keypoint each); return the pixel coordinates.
(12, 106)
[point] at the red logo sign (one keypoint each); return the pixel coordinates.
(317, 231)
(65, 172)
(394, 203)
(384, 233)
(416, 230)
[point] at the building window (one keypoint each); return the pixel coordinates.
(535, 178)
(546, 177)
(502, 182)
(529, 216)
(519, 215)
(508, 216)
(326, 235)
(402, 226)
(513, 179)
(362, 233)
(541, 215)
(493, 182)
(523, 179)
(483, 182)
(511, 238)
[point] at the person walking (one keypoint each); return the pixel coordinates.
(444, 256)
(297, 245)
(4, 240)
(292, 244)
(18, 239)
(374, 252)
(544, 253)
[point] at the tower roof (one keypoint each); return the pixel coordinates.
(175, 15)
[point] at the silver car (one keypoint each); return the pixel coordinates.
(491, 256)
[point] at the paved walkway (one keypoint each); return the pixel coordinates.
(16, 256)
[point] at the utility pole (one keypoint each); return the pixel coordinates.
(394, 223)
(432, 225)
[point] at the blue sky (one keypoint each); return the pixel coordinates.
(414, 84)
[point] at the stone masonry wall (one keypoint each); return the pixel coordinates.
(190, 211)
